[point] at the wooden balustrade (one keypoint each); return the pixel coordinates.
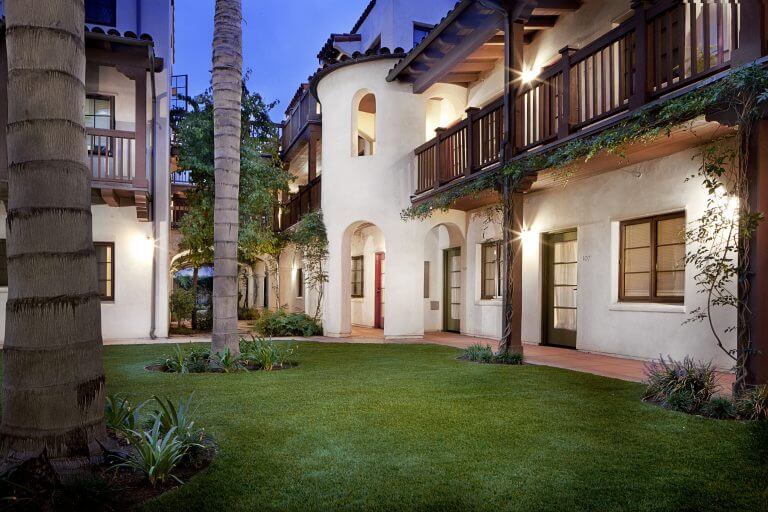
(305, 111)
(306, 200)
(111, 155)
(461, 150)
(662, 47)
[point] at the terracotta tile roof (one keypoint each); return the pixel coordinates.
(355, 58)
(330, 54)
(113, 32)
(297, 97)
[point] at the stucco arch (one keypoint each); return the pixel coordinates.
(443, 238)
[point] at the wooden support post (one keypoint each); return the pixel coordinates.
(512, 304)
(639, 93)
(439, 158)
(312, 158)
(568, 96)
(751, 35)
(513, 69)
(472, 142)
(755, 330)
(140, 81)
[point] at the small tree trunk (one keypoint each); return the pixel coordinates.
(53, 378)
(511, 337)
(195, 279)
(227, 97)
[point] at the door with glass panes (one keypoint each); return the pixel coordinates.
(452, 290)
(561, 288)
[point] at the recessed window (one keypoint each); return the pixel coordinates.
(652, 259)
(491, 270)
(366, 126)
(357, 276)
(101, 12)
(300, 283)
(105, 264)
(99, 115)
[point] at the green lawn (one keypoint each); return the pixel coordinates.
(408, 427)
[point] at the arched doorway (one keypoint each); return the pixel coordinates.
(366, 260)
(444, 279)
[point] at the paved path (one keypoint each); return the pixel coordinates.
(598, 364)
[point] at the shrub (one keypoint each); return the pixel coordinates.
(282, 323)
(719, 407)
(479, 353)
(178, 418)
(205, 320)
(227, 362)
(120, 415)
(753, 404)
(179, 361)
(258, 353)
(156, 454)
(508, 358)
(182, 304)
(248, 314)
(681, 385)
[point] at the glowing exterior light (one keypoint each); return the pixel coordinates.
(529, 75)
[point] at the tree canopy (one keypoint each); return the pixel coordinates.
(261, 177)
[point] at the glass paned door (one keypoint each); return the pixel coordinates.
(452, 290)
(380, 287)
(561, 278)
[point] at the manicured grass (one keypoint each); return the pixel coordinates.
(408, 427)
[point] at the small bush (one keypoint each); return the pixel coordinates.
(479, 353)
(282, 323)
(681, 385)
(120, 414)
(178, 418)
(508, 358)
(205, 321)
(227, 362)
(752, 404)
(260, 354)
(156, 454)
(182, 303)
(719, 407)
(248, 314)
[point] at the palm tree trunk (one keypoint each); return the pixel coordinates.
(227, 95)
(195, 281)
(53, 380)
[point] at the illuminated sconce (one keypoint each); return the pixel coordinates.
(529, 75)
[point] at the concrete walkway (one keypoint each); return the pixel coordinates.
(632, 370)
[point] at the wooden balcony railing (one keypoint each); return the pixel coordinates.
(661, 48)
(306, 200)
(111, 155)
(462, 150)
(305, 111)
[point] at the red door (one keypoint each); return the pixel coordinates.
(378, 301)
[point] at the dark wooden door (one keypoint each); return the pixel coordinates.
(379, 285)
(560, 278)
(452, 290)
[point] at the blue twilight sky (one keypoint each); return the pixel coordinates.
(281, 39)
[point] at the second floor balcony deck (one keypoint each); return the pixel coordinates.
(658, 50)
(306, 200)
(303, 113)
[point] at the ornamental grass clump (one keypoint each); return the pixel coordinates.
(479, 353)
(282, 323)
(752, 404)
(260, 354)
(680, 385)
(156, 455)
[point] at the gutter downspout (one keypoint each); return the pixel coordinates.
(153, 170)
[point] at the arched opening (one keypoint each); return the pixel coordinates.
(366, 260)
(365, 126)
(444, 280)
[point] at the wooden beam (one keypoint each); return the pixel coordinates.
(460, 78)
(461, 51)
(559, 5)
(109, 197)
(473, 66)
(540, 22)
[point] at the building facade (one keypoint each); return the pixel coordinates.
(129, 60)
(413, 102)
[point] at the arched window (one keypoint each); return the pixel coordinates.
(365, 126)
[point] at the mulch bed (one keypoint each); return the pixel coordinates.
(35, 486)
(154, 367)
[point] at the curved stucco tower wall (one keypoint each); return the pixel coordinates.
(373, 189)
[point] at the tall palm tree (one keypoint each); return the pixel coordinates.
(53, 379)
(227, 96)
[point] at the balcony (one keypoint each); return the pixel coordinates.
(302, 115)
(111, 157)
(306, 200)
(660, 50)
